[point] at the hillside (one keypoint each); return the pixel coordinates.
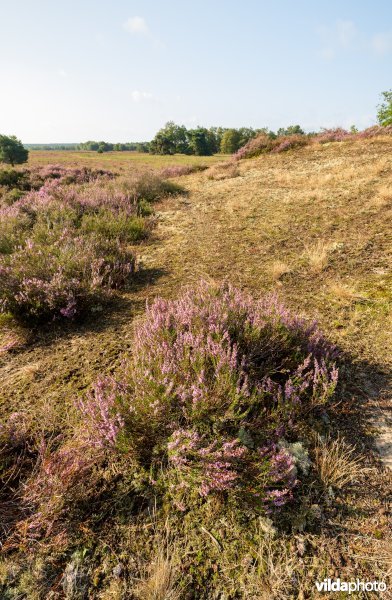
(313, 225)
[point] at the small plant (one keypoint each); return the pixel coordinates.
(159, 578)
(337, 463)
(317, 255)
(278, 269)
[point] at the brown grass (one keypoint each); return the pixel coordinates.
(160, 575)
(224, 170)
(278, 269)
(317, 255)
(337, 463)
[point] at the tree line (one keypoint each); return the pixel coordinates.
(177, 139)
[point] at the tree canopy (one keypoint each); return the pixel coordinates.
(384, 113)
(12, 151)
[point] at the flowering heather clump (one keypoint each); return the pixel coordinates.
(332, 135)
(63, 248)
(291, 141)
(61, 277)
(217, 386)
(261, 144)
(102, 426)
(373, 132)
(66, 175)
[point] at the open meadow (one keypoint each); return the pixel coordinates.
(118, 161)
(174, 425)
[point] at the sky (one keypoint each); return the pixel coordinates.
(118, 70)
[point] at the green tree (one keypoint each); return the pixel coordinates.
(231, 141)
(384, 114)
(200, 141)
(291, 130)
(171, 139)
(12, 151)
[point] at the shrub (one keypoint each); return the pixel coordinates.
(211, 406)
(61, 247)
(13, 227)
(217, 386)
(291, 141)
(66, 175)
(332, 135)
(11, 178)
(374, 131)
(264, 143)
(261, 144)
(61, 275)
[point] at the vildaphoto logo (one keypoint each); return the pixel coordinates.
(337, 585)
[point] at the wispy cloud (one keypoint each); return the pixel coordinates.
(381, 43)
(139, 96)
(342, 35)
(137, 26)
(346, 33)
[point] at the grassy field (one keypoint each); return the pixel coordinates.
(118, 161)
(311, 225)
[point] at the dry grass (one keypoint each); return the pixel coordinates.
(345, 293)
(224, 170)
(160, 576)
(118, 161)
(317, 255)
(383, 197)
(337, 463)
(278, 269)
(271, 576)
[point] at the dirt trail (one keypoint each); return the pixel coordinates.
(312, 225)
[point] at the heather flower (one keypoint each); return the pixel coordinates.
(101, 421)
(215, 380)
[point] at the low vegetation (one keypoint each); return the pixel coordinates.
(264, 143)
(65, 244)
(214, 444)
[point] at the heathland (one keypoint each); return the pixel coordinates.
(175, 426)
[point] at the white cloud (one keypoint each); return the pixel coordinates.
(342, 35)
(381, 43)
(138, 96)
(137, 25)
(346, 32)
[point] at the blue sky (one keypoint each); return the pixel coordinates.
(118, 70)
